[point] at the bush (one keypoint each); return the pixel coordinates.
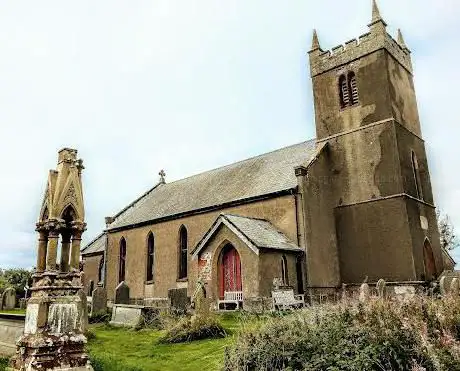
(194, 328)
(419, 334)
(3, 364)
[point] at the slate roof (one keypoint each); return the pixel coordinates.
(95, 246)
(256, 233)
(257, 176)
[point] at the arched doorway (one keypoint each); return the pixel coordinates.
(229, 270)
(428, 258)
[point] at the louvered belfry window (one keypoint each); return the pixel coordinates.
(348, 90)
(353, 88)
(343, 91)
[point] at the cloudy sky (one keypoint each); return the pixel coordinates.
(187, 85)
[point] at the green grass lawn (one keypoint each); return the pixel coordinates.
(117, 349)
(14, 311)
(120, 349)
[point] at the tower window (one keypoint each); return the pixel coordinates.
(150, 257)
(416, 173)
(122, 261)
(353, 88)
(183, 252)
(348, 90)
(343, 92)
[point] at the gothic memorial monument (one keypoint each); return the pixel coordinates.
(53, 336)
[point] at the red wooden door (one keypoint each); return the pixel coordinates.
(230, 271)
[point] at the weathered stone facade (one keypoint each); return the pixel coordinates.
(356, 202)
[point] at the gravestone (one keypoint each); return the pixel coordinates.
(381, 286)
(99, 302)
(9, 298)
(178, 300)
(126, 315)
(443, 285)
(364, 293)
(454, 287)
(122, 293)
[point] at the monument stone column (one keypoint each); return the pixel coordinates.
(56, 315)
(42, 247)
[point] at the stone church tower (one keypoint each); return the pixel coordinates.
(368, 203)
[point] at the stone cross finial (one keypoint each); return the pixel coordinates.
(162, 175)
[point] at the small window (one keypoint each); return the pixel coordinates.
(183, 252)
(416, 174)
(343, 92)
(348, 90)
(100, 272)
(150, 257)
(284, 271)
(122, 262)
(353, 88)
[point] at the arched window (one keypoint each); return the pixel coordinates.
(343, 92)
(284, 271)
(183, 252)
(353, 88)
(416, 173)
(150, 256)
(122, 262)
(100, 272)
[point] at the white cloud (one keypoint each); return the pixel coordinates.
(185, 86)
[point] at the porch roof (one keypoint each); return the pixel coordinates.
(255, 233)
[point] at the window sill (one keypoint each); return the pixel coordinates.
(182, 280)
(151, 282)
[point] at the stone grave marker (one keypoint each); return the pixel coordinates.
(381, 287)
(99, 302)
(364, 293)
(122, 293)
(9, 298)
(178, 299)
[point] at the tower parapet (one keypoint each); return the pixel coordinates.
(377, 38)
(322, 61)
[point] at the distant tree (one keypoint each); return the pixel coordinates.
(447, 234)
(17, 278)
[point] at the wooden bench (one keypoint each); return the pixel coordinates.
(231, 297)
(285, 299)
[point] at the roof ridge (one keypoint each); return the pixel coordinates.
(240, 161)
(204, 172)
(136, 200)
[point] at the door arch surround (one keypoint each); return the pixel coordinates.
(229, 270)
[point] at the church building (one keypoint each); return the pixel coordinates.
(354, 203)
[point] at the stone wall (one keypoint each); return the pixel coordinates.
(281, 212)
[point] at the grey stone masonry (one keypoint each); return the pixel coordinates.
(322, 61)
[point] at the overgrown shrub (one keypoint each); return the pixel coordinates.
(201, 326)
(418, 334)
(3, 364)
